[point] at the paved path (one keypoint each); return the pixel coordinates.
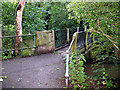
(42, 71)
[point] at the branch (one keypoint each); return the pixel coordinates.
(108, 37)
(99, 25)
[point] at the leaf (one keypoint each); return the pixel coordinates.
(57, 68)
(83, 57)
(81, 63)
(13, 86)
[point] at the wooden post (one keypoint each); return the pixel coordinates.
(75, 46)
(68, 35)
(72, 48)
(77, 29)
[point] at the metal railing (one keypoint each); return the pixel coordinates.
(20, 48)
(73, 47)
(63, 36)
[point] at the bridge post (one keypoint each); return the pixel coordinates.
(68, 39)
(73, 45)
(76, 39)
(77, 29)
(88, 55)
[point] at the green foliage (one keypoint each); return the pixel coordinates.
(33, 17)
(8, 13)
(76, 72)
(58, 16)
(27, 52)
(8, 42)
(108, 15)
(102, 77)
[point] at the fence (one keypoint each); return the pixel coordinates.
(73, 46)
(62, 37)
(8, 50)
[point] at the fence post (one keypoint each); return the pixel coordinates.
(73, 45)
(77, 29)
(68, 35)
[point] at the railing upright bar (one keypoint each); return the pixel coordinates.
(67, 68)
(68, 39)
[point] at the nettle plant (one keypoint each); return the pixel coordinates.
(76, 72)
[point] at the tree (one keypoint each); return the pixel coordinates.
(20, 8)
(104, 18)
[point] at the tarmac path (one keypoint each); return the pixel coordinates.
(42, 71)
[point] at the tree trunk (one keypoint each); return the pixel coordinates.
(18, 41)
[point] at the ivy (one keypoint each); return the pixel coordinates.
(76, 72)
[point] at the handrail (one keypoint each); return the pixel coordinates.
(67, 56)
(75, 35)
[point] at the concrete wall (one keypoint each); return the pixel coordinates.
(45, 42)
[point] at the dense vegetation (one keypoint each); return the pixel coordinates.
(36, 17)
(104, 22)
(103, 19)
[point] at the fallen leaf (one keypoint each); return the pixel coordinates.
(13, 87)
(46, 84)
(57, 68)
(20, 61)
